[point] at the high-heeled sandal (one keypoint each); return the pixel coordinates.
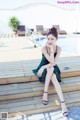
(45, 102)
(65, 114)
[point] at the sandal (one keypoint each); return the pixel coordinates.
(45, 102)
(65, 114)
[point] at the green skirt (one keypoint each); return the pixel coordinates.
(56, 70)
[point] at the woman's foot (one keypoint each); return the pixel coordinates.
(64, 109)
(45, 99)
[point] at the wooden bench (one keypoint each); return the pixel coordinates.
(21, 71)
(26, 98)
(21, 92)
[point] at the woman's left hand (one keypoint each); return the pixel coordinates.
(39, 73)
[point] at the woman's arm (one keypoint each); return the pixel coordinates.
(50, 64)
(55, 59)
(57, 56)
(50, 57)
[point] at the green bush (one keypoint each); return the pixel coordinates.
(13, 23)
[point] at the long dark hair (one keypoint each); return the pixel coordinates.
(53, 31)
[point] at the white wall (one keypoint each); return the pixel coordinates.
(42, 15)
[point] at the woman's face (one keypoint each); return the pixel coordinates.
(51, 40)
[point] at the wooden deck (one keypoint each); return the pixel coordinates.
(21, 92)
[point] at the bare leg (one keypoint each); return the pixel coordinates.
(47, 81)
(59, 91)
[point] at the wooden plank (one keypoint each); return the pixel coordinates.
(35, 89)
(36, 100)
(28, 78)
(35, 84)
(36, 105)
(70, 74)
(18, 108)
(71, 69)
(52, 91)
(52, 102)
(16, 96)
(27, 63)
(17, 91)
(16, 79)
(66, 95)
(12, 71)
(15, 86)
(48, 109)
(30, 85)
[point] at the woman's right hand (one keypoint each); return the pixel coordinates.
(50, 46)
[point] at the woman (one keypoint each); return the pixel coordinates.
(48, 70)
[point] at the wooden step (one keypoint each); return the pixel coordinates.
(21, 71)
(33, 105)
(32, 89)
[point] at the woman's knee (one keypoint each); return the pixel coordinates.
(50, 70)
